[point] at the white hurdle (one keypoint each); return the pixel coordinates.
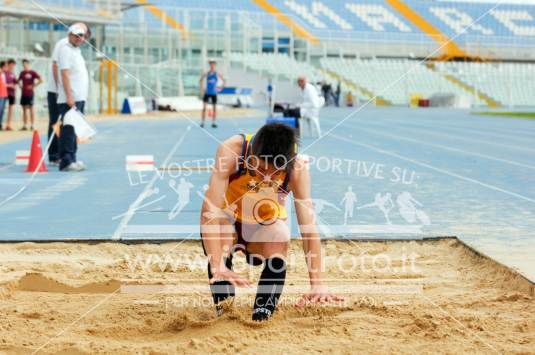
(140, 163)
(22, 157)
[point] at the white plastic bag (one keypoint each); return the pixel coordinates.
(83, 129)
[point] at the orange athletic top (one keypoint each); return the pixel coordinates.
(253, 199)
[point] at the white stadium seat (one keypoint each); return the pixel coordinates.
(393, 79)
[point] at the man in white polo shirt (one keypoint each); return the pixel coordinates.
(52, 98)
(73, 87)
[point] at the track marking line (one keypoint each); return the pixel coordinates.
(434, 168)
(7, 166)
(32, 177)
(470, 139)
(440, 146)
(475, 125)
(135, 205)
(139, 207)
(469, 129)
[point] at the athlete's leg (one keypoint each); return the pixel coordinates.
(203, 116)
(214, 108)
(228, 240)
(32, 116)
(3, 104)
(271, 245)
(9, 116)
(263, 238)
(24, 117)
(222, 290)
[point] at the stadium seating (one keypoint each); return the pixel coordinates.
(508, 83)
(451, 17)
(378, 16)
(350, 19)
(395, 80)
(509, 24)
(277, 65)
(282, 66)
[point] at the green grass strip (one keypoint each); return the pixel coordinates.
(528, 115)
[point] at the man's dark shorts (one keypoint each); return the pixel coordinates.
(210, 98)
(11, 100)
(26, 101)
(240, 245)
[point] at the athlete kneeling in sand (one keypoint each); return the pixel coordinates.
(244, 210)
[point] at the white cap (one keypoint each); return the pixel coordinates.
(77, 30)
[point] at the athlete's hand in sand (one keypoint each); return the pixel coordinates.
(318, 294)
(230, 276)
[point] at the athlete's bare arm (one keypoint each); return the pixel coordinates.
(300, 187)
(201, 83)
(221, 78)
(225, 164)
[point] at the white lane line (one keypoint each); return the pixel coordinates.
(440, 146)
(43, 196)
(32, 177)
(463, 130)
(135, 205)
(503, 131)
(440, 170)
(487, 132)
(139, 207)
(7, 166)
(468, 139)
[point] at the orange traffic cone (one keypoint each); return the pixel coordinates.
(36, 155)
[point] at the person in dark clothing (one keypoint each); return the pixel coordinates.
(28, 80)
(338, 93)
(73, 88)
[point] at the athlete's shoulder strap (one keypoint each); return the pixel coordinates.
(284, 186)
(289, 170)
(244, 150)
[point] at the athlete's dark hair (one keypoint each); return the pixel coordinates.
(25, 61)
(276, 143)
(2, 63)
(11, 61)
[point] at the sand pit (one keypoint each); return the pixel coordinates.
(67, 298)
